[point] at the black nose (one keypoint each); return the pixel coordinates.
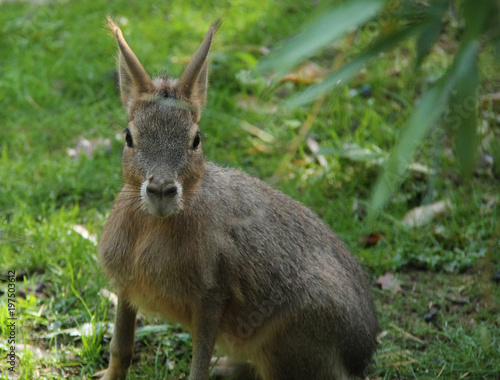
(160, 189)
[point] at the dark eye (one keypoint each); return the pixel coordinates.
(128, 138)
(196, 140)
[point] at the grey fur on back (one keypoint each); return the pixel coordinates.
(295, 258)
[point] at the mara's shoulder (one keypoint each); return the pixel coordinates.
(212, 169)
(232, 186)
(232, 179)
(239, 199)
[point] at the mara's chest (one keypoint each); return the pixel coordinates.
(155, 271)
(155, 283)
(151, 298)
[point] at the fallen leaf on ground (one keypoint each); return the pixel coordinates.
(389, 282)
(38, 353)
(307, 73)
(257, 132)
(484, 164)
(422, 215)
(109, 295)
(406, 333)
(86, 329)
(371, 239)
(314, 147)
(82, 231)
(88, 147)
(490, 98)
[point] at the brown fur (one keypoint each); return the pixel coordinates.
(235, 261)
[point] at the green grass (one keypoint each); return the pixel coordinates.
(57, 64)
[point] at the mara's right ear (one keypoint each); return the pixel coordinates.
(134, 80)
(192, 84)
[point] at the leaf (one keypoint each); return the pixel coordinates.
(37, 352)
(314, 147)
(88, 147)
(152, 329)
(380, 45)
(476, 15)
(422, 215)
(464, 102)
(355, 152)
(463, 110)
(430, 33)
(109, 295)
(431, 316)
(425, 116)
(371, 239)
(307, 73)
(389, 282)
(333, 23)
(83, 232)
(85, 329)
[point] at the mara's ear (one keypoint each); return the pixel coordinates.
(134, 80)
(192, 85)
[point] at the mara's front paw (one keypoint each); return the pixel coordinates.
(109, 374)
(226, 369)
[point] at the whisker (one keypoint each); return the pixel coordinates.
(128, 199)
(129, 184)
(128, 205)
(138, 207)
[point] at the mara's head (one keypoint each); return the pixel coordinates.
(162, 157)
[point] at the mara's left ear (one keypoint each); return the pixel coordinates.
(134, 80)
(192, 84)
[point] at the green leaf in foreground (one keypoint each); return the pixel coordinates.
(379, 46)
(332, 24)
(464, 102)
(432, 29)
(425, 116)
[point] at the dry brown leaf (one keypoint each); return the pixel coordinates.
(307, 73)
(257, 132)
(389, 282)
(490, 98)
(260, 147)
(406, 333)
(371, 239)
